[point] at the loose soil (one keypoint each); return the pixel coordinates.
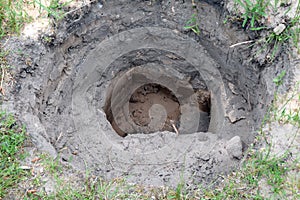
(124, 68)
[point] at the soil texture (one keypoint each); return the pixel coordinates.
(115, 68)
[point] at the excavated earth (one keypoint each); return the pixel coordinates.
(122, 88)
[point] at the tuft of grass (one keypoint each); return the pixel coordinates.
(12, 16)
(290, 34)
(259, 176)
(254, 12)
(192, 24)
(289, 111)
(279, 79)
(11, 140)
(54, 9)
(255, 18)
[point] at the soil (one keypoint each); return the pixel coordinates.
(153, 102)
(142, 105)
(112, 66)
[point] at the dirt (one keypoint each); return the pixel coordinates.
(149, 95)
(153, 108)
(142, 105)
(75, 87)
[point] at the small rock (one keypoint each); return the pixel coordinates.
(234, 147)
(279, 29)
(205, 157)
(232, 88)
(25, 167)
(23, 74)
(49, 187)
(235, 115)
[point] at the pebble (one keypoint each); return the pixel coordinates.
(234, 147)
(279, 29)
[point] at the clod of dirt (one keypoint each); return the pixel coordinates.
(235, 147)
(79, 81)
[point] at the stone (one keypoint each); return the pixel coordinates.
(279, 29)
(234, 147)
(205, 157)
(49, 187)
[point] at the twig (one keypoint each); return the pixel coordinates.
(108, 155)
(248, 99)
(60, 135)
(174, 127)
(2, 79)
(241, 43)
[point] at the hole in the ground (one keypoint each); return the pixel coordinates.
(154, 107)
(71, 91)
(156, 97)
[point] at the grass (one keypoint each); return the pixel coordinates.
(290, 34)
(255, 17)
(54, 9)
(254, 12)
(260, 175)
(192, 24)
(12, 137)
(14, 14)
(289, 111)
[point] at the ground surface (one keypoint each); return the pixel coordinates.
(41, 95)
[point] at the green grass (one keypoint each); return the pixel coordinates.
(254, 17)
(290, 35)
(254, 12)
(192, 24)
(11, 140)
(12, 16)
(284, 114)
(54, 9)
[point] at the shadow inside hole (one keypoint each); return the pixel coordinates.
(142, 100)
(150, 97)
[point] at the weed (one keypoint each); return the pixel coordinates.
(192, 24)
(254, 11)
(279, 79)
(51, 165)
(289, 111)
(255, 14)
(290, 33)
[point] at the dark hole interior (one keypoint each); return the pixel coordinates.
(150, 97)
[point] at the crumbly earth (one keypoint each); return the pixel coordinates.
(65, 81)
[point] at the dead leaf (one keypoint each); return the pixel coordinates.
(35, 160)
(33, 191)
